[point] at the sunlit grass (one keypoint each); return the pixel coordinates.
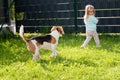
(73, 63)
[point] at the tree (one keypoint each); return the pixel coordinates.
(12, 10)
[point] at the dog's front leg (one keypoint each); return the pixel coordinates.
(54, 51)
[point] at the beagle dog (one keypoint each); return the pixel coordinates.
(48, 41)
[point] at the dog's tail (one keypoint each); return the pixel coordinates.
(21, 33)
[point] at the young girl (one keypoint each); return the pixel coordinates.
(90, 22)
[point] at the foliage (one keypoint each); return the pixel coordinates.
(12, 10)
(72, 63)
(6, 33)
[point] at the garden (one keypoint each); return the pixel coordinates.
(72, 63)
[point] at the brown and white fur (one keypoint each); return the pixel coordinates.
(49, 41)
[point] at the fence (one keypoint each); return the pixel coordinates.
(4, 12)
(35, 14)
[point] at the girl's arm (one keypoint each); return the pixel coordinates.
(94, 19)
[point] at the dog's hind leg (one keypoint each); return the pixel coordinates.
(56, 52)
(36, 55)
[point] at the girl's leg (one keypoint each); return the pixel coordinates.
(88, 38)
(96, 38)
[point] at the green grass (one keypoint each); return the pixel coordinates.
(73, 63)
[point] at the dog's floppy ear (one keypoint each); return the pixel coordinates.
(60, 30)
(53, 28)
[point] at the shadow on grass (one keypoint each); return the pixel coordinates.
(68, 62)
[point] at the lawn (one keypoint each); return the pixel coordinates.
(73, 63)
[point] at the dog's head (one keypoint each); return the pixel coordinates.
(59, 29)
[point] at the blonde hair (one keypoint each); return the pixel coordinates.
(87, 12)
